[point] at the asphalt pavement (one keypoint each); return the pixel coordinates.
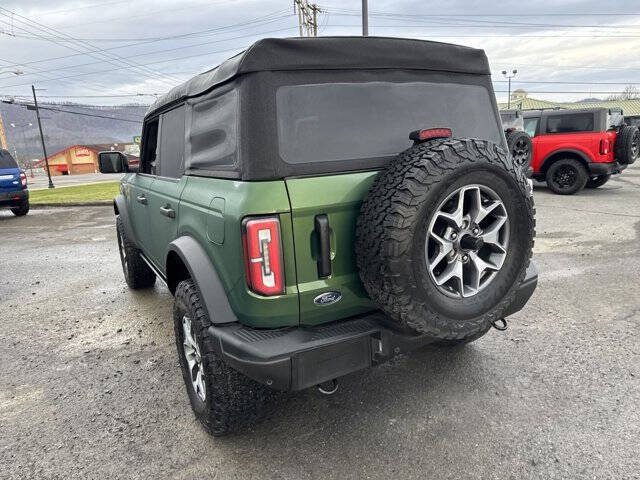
(90, 385)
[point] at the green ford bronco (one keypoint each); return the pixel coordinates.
(319, 205)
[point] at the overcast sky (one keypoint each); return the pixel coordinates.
(596, 43)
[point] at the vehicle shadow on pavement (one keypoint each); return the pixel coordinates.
(369, 404)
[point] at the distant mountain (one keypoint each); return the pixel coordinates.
(589, 100)
(62, 129)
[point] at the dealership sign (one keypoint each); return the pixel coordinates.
(82, 152)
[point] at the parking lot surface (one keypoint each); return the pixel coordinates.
(90, 385)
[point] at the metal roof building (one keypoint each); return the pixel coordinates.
(520, 100)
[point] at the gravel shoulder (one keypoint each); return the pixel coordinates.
(90, 385)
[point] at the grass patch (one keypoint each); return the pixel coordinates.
(95, 192)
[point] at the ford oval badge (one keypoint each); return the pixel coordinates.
(327, 298)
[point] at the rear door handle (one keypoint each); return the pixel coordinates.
(142, 199)
(321, 223)
(167, 211)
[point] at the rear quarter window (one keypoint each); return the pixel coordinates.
(213, 133)
(6, 160)
(568, 123)
(347, 121)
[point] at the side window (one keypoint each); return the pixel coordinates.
(149, 148)
(531, 125)
(213, 133)
(172, 143)
(568, 123)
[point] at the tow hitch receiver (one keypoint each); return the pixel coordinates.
(500, 324)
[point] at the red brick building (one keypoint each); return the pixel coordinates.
(80, 159)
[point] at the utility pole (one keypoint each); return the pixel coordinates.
(365, 18)
(307, 17)
(509, 75)
(44, 148)
(24, 143)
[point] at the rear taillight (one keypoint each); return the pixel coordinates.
(23, 179)
(263, 255)
(605, 145)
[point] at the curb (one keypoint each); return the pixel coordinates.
(104, 203)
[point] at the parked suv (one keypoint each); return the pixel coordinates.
(13, 185)
(518, 141)
(299, 244)
(577, 148)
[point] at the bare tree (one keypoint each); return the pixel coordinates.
(630, 92)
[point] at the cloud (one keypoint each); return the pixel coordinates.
(126, 55)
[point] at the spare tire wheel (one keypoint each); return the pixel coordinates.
(627, 145)
(445, 236)
(520, 147)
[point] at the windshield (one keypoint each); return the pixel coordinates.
(348, 121)
(6, 160)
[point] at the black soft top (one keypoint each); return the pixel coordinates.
(333, 53)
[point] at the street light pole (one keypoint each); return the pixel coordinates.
(365, 19)
(509, 76)
(44, 148)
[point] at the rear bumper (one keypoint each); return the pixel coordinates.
(609, 168)
(301, 357)
(13, 199)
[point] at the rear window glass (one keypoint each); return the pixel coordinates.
(577, 122)
(213, 136)
(346, 121)
(6, 160)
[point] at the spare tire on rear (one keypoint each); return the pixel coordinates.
(444, 237)
(627, 145)
(520, 147)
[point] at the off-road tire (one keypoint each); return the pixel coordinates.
(21, 210)
(232, 400)
(392, 227)
(574, 168)
(137, 273)
(627, 145)
(598, 181)
(520, 147)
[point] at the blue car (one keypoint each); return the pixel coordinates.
(13, 185)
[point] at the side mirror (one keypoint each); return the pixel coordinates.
(115, 162)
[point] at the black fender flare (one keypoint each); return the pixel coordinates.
(120, 209)
(572, 151)
(205, 276)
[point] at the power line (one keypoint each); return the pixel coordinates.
(519, 14)
(111, 57)
(493, 23)
(80, 8)
(183, 47)
(53, 109)
(569, 83)
(96, 96)
(263, 20)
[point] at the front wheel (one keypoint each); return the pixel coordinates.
(567, 176)
(21, 210)
(221, 398)
(598, 181)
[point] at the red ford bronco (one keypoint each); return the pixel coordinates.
(577, 148)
